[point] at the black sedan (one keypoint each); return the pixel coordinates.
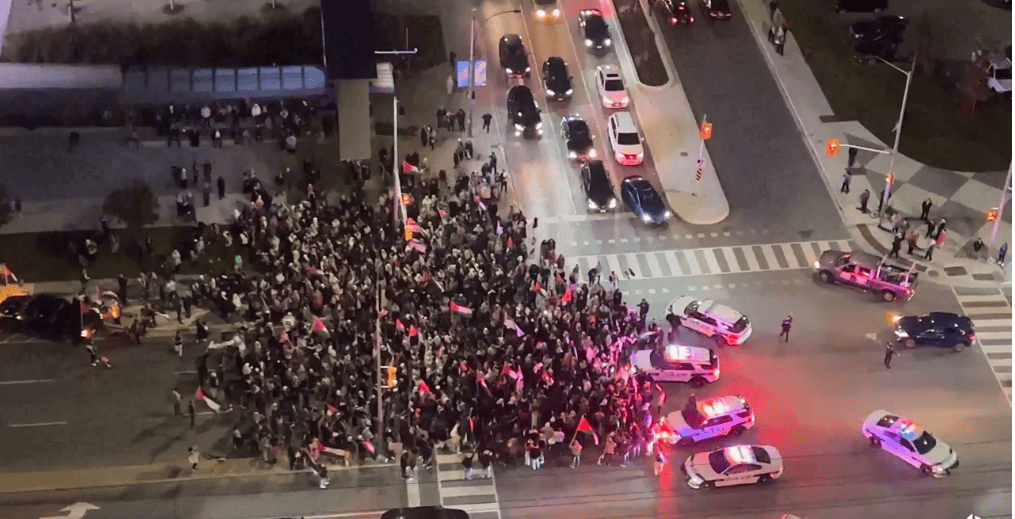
(13, 308)
(716, 9)
(577, 138)
(644, 201)
(556, 80)
(941, 329)
(676, 12)
(597, 186)
(892, 28)
(52, 317)
(594, 29)
(513, 56)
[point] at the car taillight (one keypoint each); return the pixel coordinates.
(673, 21)
(691, 19)
(715, 372)
(631, 156)
(713, 15)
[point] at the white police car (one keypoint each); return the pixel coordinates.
(718, 416)
(709, 318)
(908, 441)
(677, 363)
(736, 465)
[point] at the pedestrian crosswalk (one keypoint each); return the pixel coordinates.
(991, 314)
(712, 260)
(477, 496)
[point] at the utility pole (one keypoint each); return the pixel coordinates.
(377, 357)
(1000, 207)
(898, 128)
(397, 169)
(701, 152)
(472, 69)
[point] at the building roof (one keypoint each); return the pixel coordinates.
(349, 39)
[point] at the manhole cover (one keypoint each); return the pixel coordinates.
(955, 271)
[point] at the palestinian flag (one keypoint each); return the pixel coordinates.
(320, 329)
(464, 310)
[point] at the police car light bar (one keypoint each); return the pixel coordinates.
(740, 454)
(715, 408)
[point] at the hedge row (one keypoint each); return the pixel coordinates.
(641, 43)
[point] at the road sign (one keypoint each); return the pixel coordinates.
(697, 176)
(463, 73)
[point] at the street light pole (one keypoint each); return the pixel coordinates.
(1000, 207)
(701, 156)
(397, 169)
(472, 69)
(898, 127)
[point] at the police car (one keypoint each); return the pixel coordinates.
(736, 465)
(908, 441)
(717, 416)
(677, 363)
(709, 318)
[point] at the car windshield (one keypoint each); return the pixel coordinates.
(720, 5)
(718, 461)
(740, 325)
(595, 27)
(614, 85)
(693, 416)
(515, 51)
(925, 443)
(628, 139)
(649, 198)
(1003, 73)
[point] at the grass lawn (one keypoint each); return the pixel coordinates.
(642, 44)
(935, 131)
(45, 257)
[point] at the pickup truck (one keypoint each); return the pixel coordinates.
(867, 272)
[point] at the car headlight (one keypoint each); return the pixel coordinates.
(607, 100)
(539, 125)
(572, 154)
(625, 100)
(541, 13)
(592, 152)
(519, 127)
(509, 71)
(694, 479)
(667, 215)
(646, 218)
(817, 265)
(613, 203)
(550, 93)
(607, 42)
(592, 205)
(641, 154)
(588, 42)
(939, 469)
(528, 69)
(569, 92)
(901, 333)
(556, 13)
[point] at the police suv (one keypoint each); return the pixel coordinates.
(909, 442)
(736, 465)
(717, 416)
(677, 363)
(709, 318)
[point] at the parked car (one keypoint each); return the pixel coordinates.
(513, 56)
(998, 67)
(879, 37)
(736, 465)
(906, 440)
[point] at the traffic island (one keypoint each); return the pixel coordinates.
(641, 43)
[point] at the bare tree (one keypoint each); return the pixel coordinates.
(973, 86)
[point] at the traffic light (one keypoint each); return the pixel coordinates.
(992, 214)
(833, 147)
(706, 131)
(392, 376)
(891, 179)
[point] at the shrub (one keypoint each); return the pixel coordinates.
(135, 204)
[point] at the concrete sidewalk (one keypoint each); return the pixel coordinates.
(962, 199)
(672, 134)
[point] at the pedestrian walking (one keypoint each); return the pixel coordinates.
(121, 281)
(780, 38)
(176, 403)
(1001, 253)
(460, 115)
(940, 228)
(896, 246)
(178, 344)
(576, 453)
(847, 177)
(192, 411)
(787, 324)
(323, 475)
(193, 456)
(222, 187)
(930, 229)
(440, 117)
(608, 452)
(864, 198)
(451, 84)
(206, 193)
(977, 247)
(424, 135)
(851, 154)
(487, 118)
(493, 162)
(75, 140)
(889, 353)
(614, 279)
(942, 237)
(914, 237)
(432, 138)
(925, 209)
(92, 354)
(929, 254)
(85, 278)
(486, 461)
(467, 464)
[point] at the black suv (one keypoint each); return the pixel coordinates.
(597, 186)
(513, 56)
(879, 37)
(523, 112)
(676, 12)
(556, 80)
(716, 9)
(941, 329)
(577, 138)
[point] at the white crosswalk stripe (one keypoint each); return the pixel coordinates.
(477, 496)
(714, 260)
(992, 317)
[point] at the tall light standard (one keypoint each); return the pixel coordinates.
(1000, 207)
(472, 58)
(898, 126)
(397, 169)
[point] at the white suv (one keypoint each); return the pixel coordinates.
(709, 318)
(710, 418)
(625, 140)
(611, 87)
(677, 363)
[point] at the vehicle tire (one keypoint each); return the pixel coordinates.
(888, 296)
(673, 320)
(708, 484)
(961, 346)
(765, 478)
(875, 441)
(927, 470)
(909, 343)
(736, 431)
(825, 276)
(697, 382)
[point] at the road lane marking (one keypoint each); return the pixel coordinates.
(17, 382)
(412, 492)
(46, 424)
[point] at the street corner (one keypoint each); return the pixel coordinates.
(706, 208)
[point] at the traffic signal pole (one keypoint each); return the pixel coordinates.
(377, 357)
(701, 155)
(1000, 207)
(898, 128)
